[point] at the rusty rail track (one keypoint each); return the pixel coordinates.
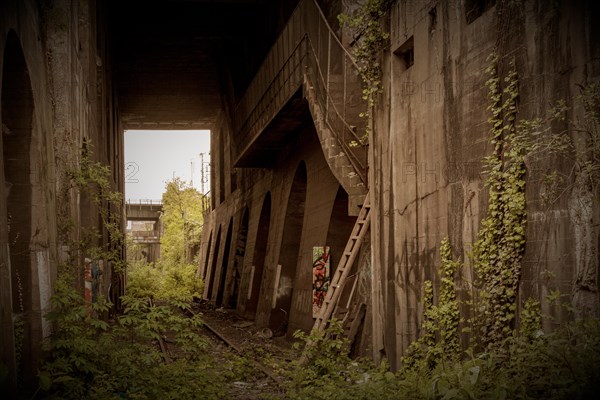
(240, 352)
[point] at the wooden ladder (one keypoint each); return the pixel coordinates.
(343, 269)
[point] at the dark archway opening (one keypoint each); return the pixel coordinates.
(238, 262)
(207, 256)
(258, 260)
(340, 227)
(17, 125)
(223, 274)
(288, 255)
(213, 269)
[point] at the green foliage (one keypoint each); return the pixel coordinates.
(90, 358)
(182, 219)
(94, 179)
(449, 316)
(501, 240)
(329, 373)
(531, 319)
(440, 339)
(164, 281)
(369, 40)
(562, 365)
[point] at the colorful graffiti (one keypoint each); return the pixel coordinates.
(321, 277)
(92, 280)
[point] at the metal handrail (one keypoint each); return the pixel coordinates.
(261, 103)
(143, 201)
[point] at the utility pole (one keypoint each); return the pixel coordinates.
(192, 172)
(202, 172)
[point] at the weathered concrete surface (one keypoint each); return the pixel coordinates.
(426, 172)
(174, 59)
(146, 230)
(322, 218)
(56, 100)
(431, 136)
(75, 74)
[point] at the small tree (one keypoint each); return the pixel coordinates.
(182, 219)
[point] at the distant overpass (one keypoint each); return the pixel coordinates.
(143, 210)
(147, 238)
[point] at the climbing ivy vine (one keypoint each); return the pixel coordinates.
(498, 252)
(93, 179)
(440, 340)
(370, 39)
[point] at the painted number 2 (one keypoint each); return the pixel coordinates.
(131, 170)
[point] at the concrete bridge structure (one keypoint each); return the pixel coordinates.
(144, 229)
(276, 83)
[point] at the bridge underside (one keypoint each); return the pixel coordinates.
(265, 149)
(177, 62)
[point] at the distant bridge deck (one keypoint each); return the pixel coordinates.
(143, 210)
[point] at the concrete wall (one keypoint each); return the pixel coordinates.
(254, 186)
(431, 135)
(426, 168)
(57, 99)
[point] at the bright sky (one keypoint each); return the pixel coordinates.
(154, 157)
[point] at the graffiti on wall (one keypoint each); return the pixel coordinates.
(321, 277)
(93, 271)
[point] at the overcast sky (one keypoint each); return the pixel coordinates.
(154, 157)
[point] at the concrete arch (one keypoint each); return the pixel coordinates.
(238, 261)
(206, 256)
(224, 264)
(258, 258)
(24, 211)
(340, 227)
(210, 276)
(289, 251)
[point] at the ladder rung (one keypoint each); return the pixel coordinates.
(330, 303)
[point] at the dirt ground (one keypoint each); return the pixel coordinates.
(262, 355)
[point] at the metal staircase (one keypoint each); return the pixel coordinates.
(309, 56)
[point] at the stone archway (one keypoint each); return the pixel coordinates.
(24, 214)
(258, 260)
(210, 277)
(207, 256)
(288, 255)
(224, 264)
(238, 262)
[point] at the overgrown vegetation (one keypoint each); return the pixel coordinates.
(164, 282)
(369, 39)
(559, 365)
(98, 358)
(502, 362)
(173, 276)
(501, 240)
(182, 219)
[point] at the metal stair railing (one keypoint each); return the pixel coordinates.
(307, 52)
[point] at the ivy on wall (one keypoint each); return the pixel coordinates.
(94, 178)
(440, 340)
(498, 252)
(369, 40)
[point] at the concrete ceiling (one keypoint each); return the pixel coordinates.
(177, 61)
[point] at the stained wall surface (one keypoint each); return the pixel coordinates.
(57, 103)
(426, 172)
(430, 139)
